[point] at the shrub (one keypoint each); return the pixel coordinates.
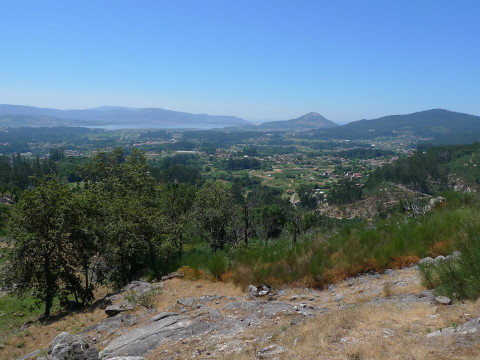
(225, 277)
(217, 265)
(190, 273)
(440, 248)
(428, 275)
(459, 277)
(146, 299)
(243, 276)
(404, 261)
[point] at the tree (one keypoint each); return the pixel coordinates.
(87, 233)
(4, 215)
(176, 201)
(136, 231)
(294, 221)
(269, 220)
(45, 254)
(213, 211)
(345, 191)
(115, 174)
(138, 235)
(307, 199)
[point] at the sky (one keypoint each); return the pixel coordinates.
(259, 60)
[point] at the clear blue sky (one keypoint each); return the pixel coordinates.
(259, 60)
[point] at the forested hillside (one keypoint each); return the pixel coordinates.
(430, 123)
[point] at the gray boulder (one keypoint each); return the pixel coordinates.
(186, 301)
(252, 291)
(162, 315)
(129, 319)
(262, 290)
(471, 327)
(141, 340)
(269, 352)
(207, 298)
(30, 355)
(214, 315)
(443, 300)
(172, 275)
(390, 272)
(113, 310)
(67, 347)
(140, 287)
(426, 261)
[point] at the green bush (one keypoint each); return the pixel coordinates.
(458, 278)
(145, 299)
(429, 275)
(217, 264)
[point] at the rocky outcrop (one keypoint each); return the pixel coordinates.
(141, 340)
(471, 327)
(255, 291)
(221, 323)
(68, 347)
(269, 352)
(116, 309)
(443, 300)
(439, 259)
(198, 321)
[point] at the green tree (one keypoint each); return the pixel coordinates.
(176, 201)
(44, 257)
(269, 220)
(294, 221)
(307, 198)
(88, 234)
(345, 191)
(213, 212)
(137, 232)
(4, 215)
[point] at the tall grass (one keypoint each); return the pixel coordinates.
(275, 264)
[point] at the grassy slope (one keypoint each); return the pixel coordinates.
(317, 260)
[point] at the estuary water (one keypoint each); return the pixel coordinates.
(159, 126)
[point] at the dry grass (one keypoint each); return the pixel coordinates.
(391, 331)
(353, 333)
(175, 289)
(362, 331)
(40, 336)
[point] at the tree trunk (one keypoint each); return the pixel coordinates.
(180, 241)
(122, 267)
(246, 225)
(153, 259)
(50, 287)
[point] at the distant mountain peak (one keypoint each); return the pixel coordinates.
(312, 120)
(311, 115)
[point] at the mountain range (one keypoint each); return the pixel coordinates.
(430, 123)
(435, 123)
(11, 115)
